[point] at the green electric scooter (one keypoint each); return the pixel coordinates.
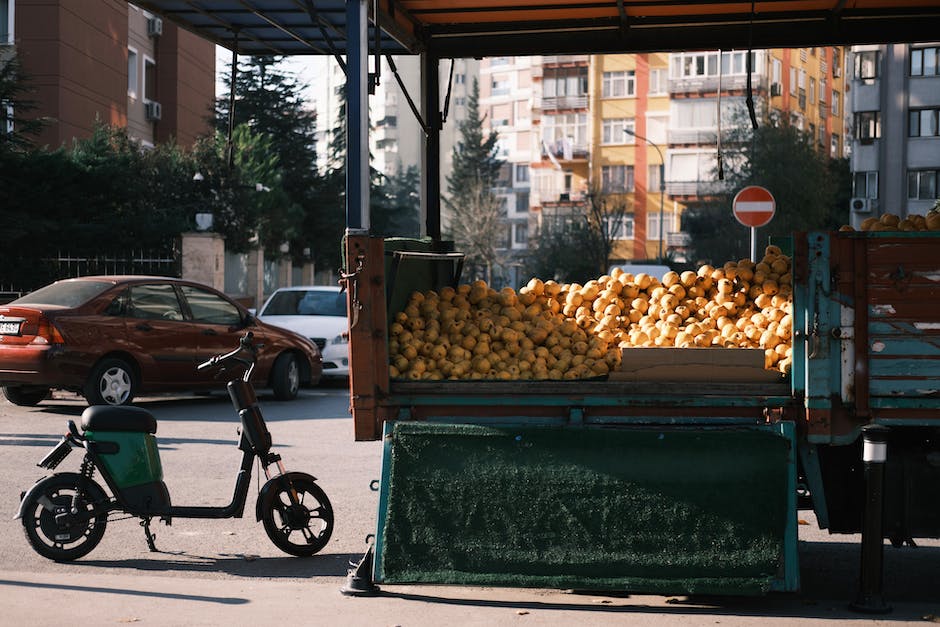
(65, 515)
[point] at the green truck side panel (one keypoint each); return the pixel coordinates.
(659, 509)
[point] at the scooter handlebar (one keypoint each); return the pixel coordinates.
(245, 343)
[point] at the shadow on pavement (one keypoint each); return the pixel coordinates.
(239, 565)
(128, 592)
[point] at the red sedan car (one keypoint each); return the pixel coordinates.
(111, 338)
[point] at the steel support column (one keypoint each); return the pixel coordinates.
(431, 157)
(357, 116)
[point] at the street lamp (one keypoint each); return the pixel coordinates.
(662, 186)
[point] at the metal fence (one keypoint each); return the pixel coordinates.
(26, 276)
(158, 263)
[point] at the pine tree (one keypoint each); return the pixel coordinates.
(476, 215)
(269, 101)
(16, 126)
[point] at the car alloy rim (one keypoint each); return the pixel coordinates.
(293, 376)
(115, 386)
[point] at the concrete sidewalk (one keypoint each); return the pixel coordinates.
(44, 599)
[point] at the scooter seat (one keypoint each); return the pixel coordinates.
(108, 418)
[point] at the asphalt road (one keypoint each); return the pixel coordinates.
(210, 571)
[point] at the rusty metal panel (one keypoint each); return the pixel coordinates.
(903, 284)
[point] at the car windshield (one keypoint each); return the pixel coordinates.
(306, 303)
(64, 293)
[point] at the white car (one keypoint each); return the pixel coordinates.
(317, 312)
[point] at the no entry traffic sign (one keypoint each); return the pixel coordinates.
(754, 206)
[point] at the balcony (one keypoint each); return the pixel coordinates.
(564, 103)
(695, 188)
(566, 59)
(576, 152)
(679, 239)
(694, 85)
(692, 137)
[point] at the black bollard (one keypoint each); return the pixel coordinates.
(875, 452)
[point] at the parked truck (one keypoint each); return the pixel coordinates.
(678, 484)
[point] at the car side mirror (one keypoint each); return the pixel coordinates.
(249, 320)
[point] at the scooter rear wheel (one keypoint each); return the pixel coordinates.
(298, 527)
(73, 535)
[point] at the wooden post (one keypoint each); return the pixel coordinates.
(368, 334)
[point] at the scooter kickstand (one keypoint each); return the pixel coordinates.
(145, 523)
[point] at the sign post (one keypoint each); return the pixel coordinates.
(754, 206)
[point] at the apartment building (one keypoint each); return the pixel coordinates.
(895, 99)
(110, 61)
(508, 102)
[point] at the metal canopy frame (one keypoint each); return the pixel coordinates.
(477, 28)
(440, 29)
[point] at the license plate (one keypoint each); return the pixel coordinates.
(10, 328)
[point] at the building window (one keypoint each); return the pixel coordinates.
(925, 61)
(792, 81)
(150, 79)
(823, 88)
(836, 105)
(619, 227)
(520, 233)
(460, 79)
(653, 180)
(866, 65)
(6, 22)
(522, 202)
(694, 114)
(922, 184)
(812, 90)
(132, 73)
(657, 82)
(500, 86)
(565, 82)
(705, 64)
(923, 123)
(618, 84)
(565, 130)
(867, 125)
(834, 146)
(617, 179)
(521, 173)
(614, 131)
(865, 185)
(652, 224)
(6, 118)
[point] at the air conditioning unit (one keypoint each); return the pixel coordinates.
(152, 110)
(776, 89)
(154, 27)
(862, 205)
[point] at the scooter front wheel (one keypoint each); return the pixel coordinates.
(56, 530)
(299, 517)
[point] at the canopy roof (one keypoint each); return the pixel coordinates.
(478, 28)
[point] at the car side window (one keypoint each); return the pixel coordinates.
(209, 308)
(116, 307)
(154, 302)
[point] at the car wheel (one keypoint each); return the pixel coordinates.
(24, 395)
(285, 377)
(111, 383)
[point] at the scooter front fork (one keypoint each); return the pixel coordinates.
(275, 459)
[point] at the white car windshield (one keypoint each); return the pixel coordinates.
(306, 303)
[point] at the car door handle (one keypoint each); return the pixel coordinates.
(209, 332)
(143, 326)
